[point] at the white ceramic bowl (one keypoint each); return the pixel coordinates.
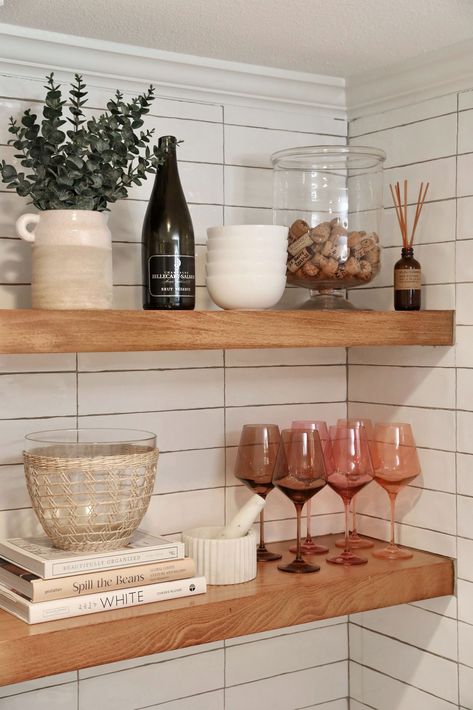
(250, 291)
(242, 269)
(268, 245)
(248, 231)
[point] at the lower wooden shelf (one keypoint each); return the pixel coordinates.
(273, 600)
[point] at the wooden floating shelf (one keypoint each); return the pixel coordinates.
(273, 600)
(37, 331)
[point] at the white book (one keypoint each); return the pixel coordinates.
(36, 613)
(38, 555)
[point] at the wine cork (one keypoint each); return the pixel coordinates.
(299, 260)
(298, 228)
(300, 244)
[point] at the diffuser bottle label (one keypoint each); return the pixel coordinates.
(407, 279)
(170, 275)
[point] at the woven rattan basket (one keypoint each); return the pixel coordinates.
(90, 496)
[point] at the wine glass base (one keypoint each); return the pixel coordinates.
(310, 548)
(265, 555)
(356, 542)
(348, 559)
(298, 567)
(392, 552)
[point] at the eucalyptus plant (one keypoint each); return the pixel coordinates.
(89, 163)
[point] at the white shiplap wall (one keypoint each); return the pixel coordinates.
(196, 402)
(420, 656)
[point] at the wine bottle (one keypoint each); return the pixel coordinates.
(168, 251)
(407, 282)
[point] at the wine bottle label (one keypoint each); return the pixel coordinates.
(407, 279)
(170, 275)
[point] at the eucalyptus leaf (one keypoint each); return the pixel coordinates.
(89, 165)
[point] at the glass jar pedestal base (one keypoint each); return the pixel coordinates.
(327, 300)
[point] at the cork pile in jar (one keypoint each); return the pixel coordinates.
(328, 252)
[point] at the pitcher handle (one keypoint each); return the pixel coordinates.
(22, 226)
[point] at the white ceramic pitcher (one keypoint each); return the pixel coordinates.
(72, 258)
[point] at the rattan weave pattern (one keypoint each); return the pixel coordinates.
(90, 501)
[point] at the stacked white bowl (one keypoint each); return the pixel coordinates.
(246, 265)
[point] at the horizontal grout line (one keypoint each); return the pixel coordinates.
(287, 130)
(324, 702)
(431, 611)
(162, 452)
(407, 643)
(196, 367)
(408, 367)
(43, 687)
(288, 633)
(402, 125)
(184, 697)
(403, 682)
(407, 525)
(409, 406)
(152, 663)
(287, 673)
(89, 108)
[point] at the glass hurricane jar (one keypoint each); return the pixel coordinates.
(331, 199)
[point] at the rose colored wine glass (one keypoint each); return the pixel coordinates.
(355, 540)
(257, 451)
(309, 547)
(299, 473)
(397, 464)
(352, 471)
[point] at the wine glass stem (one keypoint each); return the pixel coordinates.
(308, 515)
(392, 501)
(346, 503)
(261, 530)
(299, 515)
(353, 515)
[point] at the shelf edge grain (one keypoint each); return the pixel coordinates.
(37, 331)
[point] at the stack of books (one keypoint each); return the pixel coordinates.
(39, 583)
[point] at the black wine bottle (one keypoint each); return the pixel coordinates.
(168, 250)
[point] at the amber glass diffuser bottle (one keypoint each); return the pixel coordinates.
(407, 271)
(407, 282)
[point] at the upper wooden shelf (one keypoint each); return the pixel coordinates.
(273, 600)
(37, 331)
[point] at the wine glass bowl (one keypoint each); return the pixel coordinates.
(355, 540)
(299, 473)
(309, 547)
(397, 464)
(352, 471)
(254, 466)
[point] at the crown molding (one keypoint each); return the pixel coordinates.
(29, 53)
(434, 74)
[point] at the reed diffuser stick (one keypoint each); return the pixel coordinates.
(420, 204)
(400, 205)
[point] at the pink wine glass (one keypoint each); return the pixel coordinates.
(355, 540)
(299, 473)
(352, 470)
(309, 547)
(397, 465)
(254, 465)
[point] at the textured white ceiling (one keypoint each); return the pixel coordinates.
(334, 37)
